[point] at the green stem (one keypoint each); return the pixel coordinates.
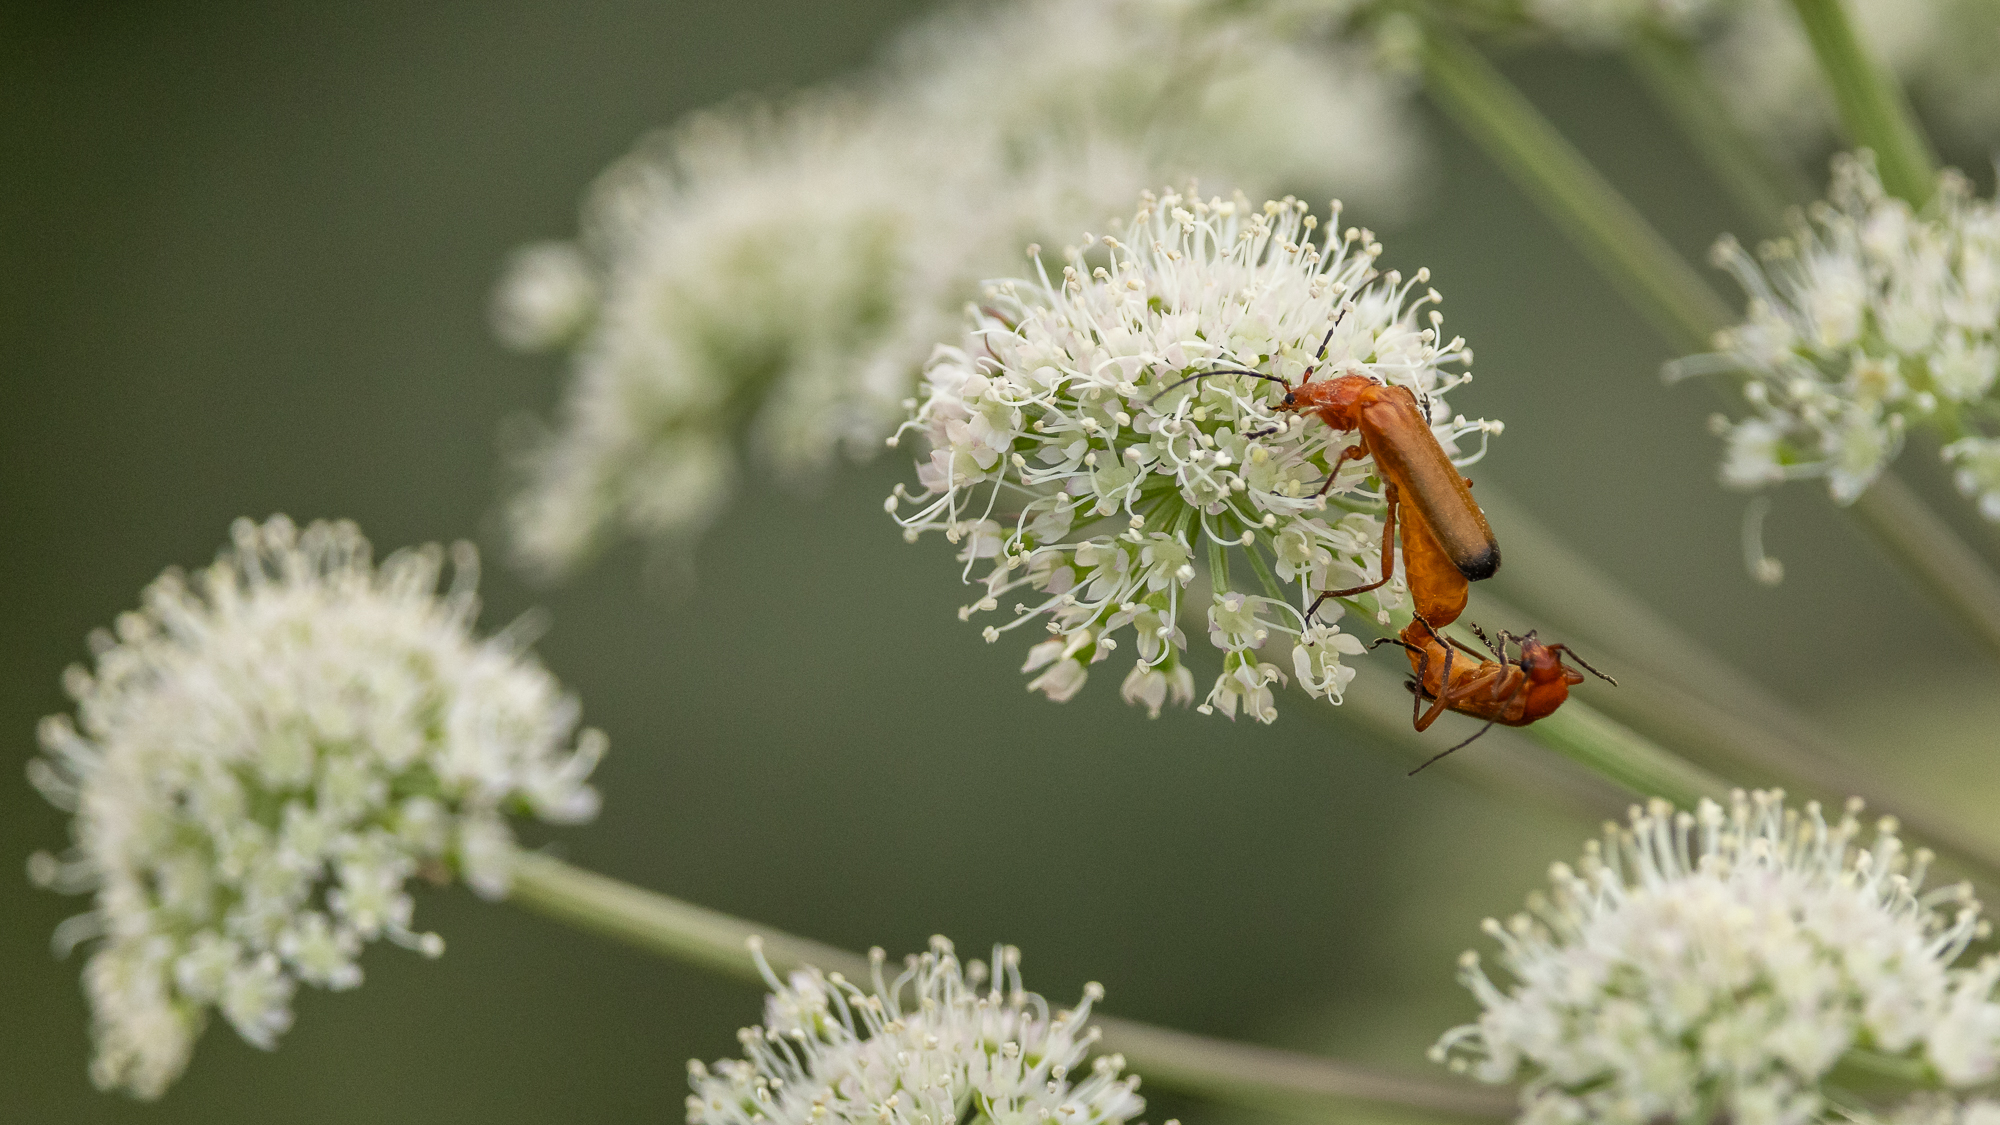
(1668, 292)
(1877, 1065)
(1586, 735)
(1872, 106)
(1240, 1073)
(1763, 188)
(1928, 550)
(1501, 762)
(1591, 213)
(682, 931)
(1676, 689)
(1612, 751)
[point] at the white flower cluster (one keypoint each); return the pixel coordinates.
(263, 757)
(1867, 320)
(1719, 964)
(1074, 452)
(764, 282)
(931, 1047)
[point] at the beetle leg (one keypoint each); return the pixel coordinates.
(1353, 452)
(1388, 549)
(1442, 753)
(1444, 694)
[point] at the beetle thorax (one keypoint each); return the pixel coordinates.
(1337, 401)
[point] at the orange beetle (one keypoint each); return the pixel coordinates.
(1446, 540)
(1509, 692)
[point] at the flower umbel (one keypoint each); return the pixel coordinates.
(263, 757)
(934, 1046)
(1866, 321)
(1719, 964)
(1081, 452)
(751, 271)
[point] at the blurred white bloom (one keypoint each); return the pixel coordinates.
(1719, 965)
(545, 296)
(1977, 462)
(754, 267)
(935, 1046)
(1867, 320)
(770, 280)
(1071, 454)
(1261, 94)
(263, 757)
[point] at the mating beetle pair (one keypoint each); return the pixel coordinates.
(1446, 545)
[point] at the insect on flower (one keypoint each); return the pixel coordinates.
(1078, 441)
(1446, 540)
(1509, 692)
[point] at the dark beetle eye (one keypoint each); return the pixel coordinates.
(1290, 398)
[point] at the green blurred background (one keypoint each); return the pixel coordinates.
(245, 252)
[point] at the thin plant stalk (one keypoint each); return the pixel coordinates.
(1614, 752)
(1238, 1073)
(1579, 200)
(1613, 234)
(1501, 761)
(1877, 116)
(1920, 540)
(1622, 755)
(1872, 105)
(1676, 689)
(1762, 187)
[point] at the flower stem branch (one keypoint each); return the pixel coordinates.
(1591, 213)
(1232, 1072)
(1503, 764)
(1762, 187)
(1928, 550)
(656, 923)
(1687, 696)
(1586, 735)
(1872, 106)
(1613, 752)
(1667, 290)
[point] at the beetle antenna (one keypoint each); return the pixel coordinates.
(1320, 356)
(1337, 318)
(1380, 641)
(1442, 753)
(1571, 653)
(1498, 652)
(1219, 371)
(996, 314)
